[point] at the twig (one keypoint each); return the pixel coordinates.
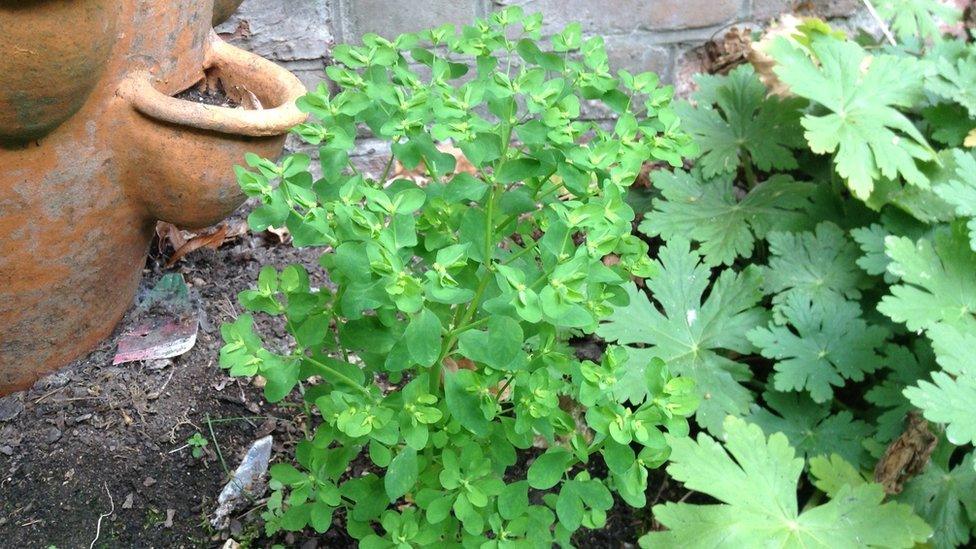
(657, 497)
(881, 22)
(156, 394)
(59, 389)
(98, 527)
(185, 446)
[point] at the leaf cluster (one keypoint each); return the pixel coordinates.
(818, 291)
(437, 351)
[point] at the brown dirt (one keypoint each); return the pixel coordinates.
(94, 429)
(96, 436)
(209, 94)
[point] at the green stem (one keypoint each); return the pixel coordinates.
(501, 391)
(528, 248)
(451, 339)
(353, 167)
(489, 230)
(220, 454)
(339, 376)
(389, 164)
(814, 500)
(476, 324)
(308, 411)
(335, 332)
(386, 170)
(747, 169)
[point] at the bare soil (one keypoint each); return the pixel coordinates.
(96, 455)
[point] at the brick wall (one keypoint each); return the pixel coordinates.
(641, 35)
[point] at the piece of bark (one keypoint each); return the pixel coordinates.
(907, 455)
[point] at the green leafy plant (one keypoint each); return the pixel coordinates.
(755, 479)
(437, 350)
(197, 444)
(822, 299)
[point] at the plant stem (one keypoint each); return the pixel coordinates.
(339, 376)
(489, 229)
(217, 446)
(308, 411)
(389, 164)
(476, 324)
(451, 339)
(747, 169)
(386, 171)
(528, 248)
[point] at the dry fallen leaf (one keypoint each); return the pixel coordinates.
(245, 98)
(451, 365)
(970, 141)
(907, 455)
(419, 174)
(729, 52)
(763, 62)
(211, 240)
(284, 236)
(167, 233)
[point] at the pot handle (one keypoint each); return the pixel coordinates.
(264, 78)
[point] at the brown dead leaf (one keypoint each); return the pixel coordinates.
(167, 233)
(764, 63)
(419, 174)
(245, 98)
(729, 52)
(212, 240)
(282, 233)
(907, 455)
(463, 164)
(970, 141)
(451, 365)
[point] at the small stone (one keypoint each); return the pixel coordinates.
(197, 281)
(10, 407)
(6, 450)
(159, 364)
(129, 500)
(148, 482)
(54, 381)
(52, 435)
(170, 513)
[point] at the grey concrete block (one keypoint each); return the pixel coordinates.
(283, 30)
(623, 16)
(634, 53)
(764, 10)
(390, 19)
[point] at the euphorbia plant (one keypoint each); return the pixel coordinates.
(460, 291)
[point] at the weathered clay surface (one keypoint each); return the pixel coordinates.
(79, 200)
(223, 10)
(37, 46)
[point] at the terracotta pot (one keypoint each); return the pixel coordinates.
(53, 54)
(78, 206)
(223, 9)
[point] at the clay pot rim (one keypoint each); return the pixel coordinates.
(138, 89)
